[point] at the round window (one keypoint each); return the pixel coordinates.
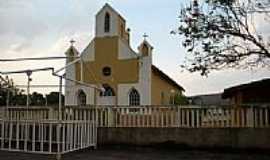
(106, 71)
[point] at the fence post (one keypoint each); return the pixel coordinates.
(110, 113)
(51, 114)
(2, 133)
(58, 127)
(178, 116)
(250, 117)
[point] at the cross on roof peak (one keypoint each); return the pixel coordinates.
(145, 36)
(72, 41)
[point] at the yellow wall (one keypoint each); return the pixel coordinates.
(160, 85)
(106, 54)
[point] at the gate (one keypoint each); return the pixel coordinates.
(47, 136)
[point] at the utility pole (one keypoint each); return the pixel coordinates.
(60, 98)
(46, 101)
(7, 101)
(28, 73)
(58, 155)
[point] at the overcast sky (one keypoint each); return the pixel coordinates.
(34, 28)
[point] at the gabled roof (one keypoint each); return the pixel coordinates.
(229, 92)
(147, 43)
(166, 77)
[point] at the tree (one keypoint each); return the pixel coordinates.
(219, 34)
(37, 99)
(181, 100)
(7, 90)
(178, 99)
(17, 96)
(19, 100)
(53, 98)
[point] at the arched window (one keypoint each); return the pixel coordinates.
(134, 98)
(108, 91)
(107, 22)
(81, 98)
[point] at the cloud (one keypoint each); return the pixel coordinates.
(37, 28)
(18, 17)
(20, 47)
(217, 81)
(8, 4)
(62, 44)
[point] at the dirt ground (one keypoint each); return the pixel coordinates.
(140, 154)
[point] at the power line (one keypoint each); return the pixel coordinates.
(33, 59)
(29, 72)
(41, 86)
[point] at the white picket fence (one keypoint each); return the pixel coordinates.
(153, 116)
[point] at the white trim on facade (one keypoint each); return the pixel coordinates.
(125, 52)
(143, 86)
(88, 54)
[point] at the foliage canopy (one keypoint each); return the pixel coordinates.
(220, 34)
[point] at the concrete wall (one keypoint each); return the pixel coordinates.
(238, 138)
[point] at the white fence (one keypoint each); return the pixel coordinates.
(184, 117)
(153, 116)
(40, 134)
(44, 130)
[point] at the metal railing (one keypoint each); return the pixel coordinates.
(46, 137)
(39, 130)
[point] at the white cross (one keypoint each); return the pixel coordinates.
(72, 41)
(145, 36)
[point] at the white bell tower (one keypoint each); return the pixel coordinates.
(110, 23)
(106, 22)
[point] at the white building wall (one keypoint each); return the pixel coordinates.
(69, 85)
(101, 100)
(72, 88)
(88, 54)
(125, 52)
(72, 98)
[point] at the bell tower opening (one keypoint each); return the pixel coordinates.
(107, 21)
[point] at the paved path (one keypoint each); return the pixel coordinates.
(139, 154)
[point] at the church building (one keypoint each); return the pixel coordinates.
(116, 74)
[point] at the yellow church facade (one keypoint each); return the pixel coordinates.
(118, 74)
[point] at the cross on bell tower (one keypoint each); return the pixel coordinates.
(145, 36)
(145, 48)
(72, 41)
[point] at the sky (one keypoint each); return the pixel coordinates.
(37, 28)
